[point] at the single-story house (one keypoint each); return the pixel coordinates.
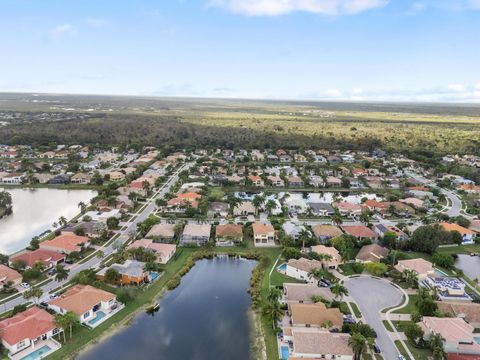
(321, 209)
(320, 344)
(218, 209)
(28, 331)
(381, 230)
(295, 181)
(292, 229)
(371, 253)
(65, 243)
(421, 267)
(315, 316)
(163, 252)
(86, 301)
(47, 257)
(360, 232)
(263, 234)
(243, 209)
(198, 234)
(470, 312)
(162, 232)
(131, 272)
(303, 293)
(90, 228)
(325, 232)
(7, 274)
(228, 234)
(468, 235)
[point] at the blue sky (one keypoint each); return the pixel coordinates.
(406, 50)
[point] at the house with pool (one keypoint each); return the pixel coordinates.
(93, 306)
(29, 334)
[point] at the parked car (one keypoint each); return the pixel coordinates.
(376, 349)
(53, 296)
(51, 272)
(25, 285)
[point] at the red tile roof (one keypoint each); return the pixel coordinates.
(359, 231)
(66, 242)
(28, 324)
(39, 255)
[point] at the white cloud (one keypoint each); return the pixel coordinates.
(58, 31)
(282, 7)
(334, 93)
(456, 87)
(417, 8)
(97, 22)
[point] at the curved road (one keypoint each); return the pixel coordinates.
(372, 296)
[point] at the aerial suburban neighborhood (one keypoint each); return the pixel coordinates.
(354, 248)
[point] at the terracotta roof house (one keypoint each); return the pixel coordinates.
(198, 234)
(416, 203)
(29, 331)
(162, 232)
(92, 305)
(457, 335)
(65, 243)
(315, 315)
(131, 272)
(263, 234)
(163, 252)
(46, 257)
(295, 181)
(470, 312)
(468, 235)
(348, 209)
(243, 209)
(360, 231)
(475, 225)
(190, 196)
(325, 232)
(80, 178)
(7, 274)
(228, 234)
(336, 259)
(421, 267)
(300, 268)
(276, 181)
(371, 253)
(314, 344)
(303, 293)
(333, 181)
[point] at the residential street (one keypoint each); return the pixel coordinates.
(94, 262)
(372, 296)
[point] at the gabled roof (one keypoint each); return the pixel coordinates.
(372, 252)
(8, 274)
(67, 242)
(315, 314)
(456, 227)
(359, 231)
(233, 230)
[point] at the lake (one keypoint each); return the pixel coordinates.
(205, 318)
(470, 265)
(34, 211)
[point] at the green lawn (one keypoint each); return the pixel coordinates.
(418, 353)
(278, 279)
(409, 308)
(356, 310)
(347, 269)
(460, 249)
(387, 325)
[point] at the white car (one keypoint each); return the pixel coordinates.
(25, 285)
(53, 296)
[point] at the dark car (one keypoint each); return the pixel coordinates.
(376, 349)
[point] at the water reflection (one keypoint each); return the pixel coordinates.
(34, 211)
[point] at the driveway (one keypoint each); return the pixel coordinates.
(372, 296)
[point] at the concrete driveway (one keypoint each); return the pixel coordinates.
(372, 296)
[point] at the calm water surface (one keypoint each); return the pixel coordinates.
(205, 318)
(470, 265)
(34, 211)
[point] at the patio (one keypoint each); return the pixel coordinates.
(40, 350)
(102, 315)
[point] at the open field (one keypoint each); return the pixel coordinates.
(129, 121)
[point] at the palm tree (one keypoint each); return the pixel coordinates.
(274, 294)
(71, 320)
(62, 221)
(304, 236)
(34, 292)
(411, 277)
(365, 217)
(82, 206)
(258, 201)
(339, 290)
(62, 273)
(270, 205)
(337, 217)
(60, 322)
(319, 273)
(274, 311)
(359, 345)
(436, 345)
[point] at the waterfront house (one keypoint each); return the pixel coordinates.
(131, 272)
(48, 258)
(315, 316)
(421, 267)
(468, 235)
(91, 305)
(65, 243)
(300, 268)
(228, 234)
(448, 288)
(470, 312)
(303, 293)
(163, 252)
(88, 228)
(80, 178)
(263, 234)
(196, 234)
(29, 331)
(321, 209)
(319, 344)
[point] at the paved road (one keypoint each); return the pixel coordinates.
(94, 262)
(372, 296)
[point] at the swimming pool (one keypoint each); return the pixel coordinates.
(153, 275)
(282, 267)
(440, 273)
(38, 354)
(477, 339)
(98, 316)
(285, 352)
